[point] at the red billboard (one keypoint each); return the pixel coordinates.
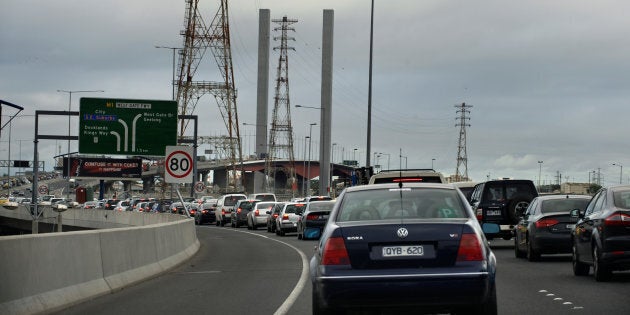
(103, 168)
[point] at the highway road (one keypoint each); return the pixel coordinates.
(238, 271)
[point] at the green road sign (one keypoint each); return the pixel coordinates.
(126, 126)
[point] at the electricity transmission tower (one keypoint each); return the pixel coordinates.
(461, 171)
(197, 39)
(281, 133)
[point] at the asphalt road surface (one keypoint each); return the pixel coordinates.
(238, 271)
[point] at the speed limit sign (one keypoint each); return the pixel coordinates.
(199, 187)
(178, 164)
(42, 189)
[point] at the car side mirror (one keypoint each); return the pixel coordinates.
(268, 212)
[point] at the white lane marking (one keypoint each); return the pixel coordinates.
(290, 300)
(568, 303)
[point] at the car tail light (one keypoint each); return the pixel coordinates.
(238, 210)
(335, 252)
(469, 248)
(256, 213)
(285, 217)
(222, 211)
(479, 214)
(617, 219)
(204, 211)
(275, 215)
(312, 216)
(546, 223)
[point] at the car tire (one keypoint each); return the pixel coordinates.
(196, 222)
(217, 223)
(222, 222)
(602, 273)
(532, 254)
(236, 224)
(517, 207)
(517, 252)
(300, 236)
(579, 268)
(254, 227)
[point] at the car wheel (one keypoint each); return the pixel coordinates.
(517, 207)
(532, 254)
(517, 252)
(300, 236)
(236, 225)
(222, 222)
(217, 223)
(196, 222)
(254, 227)
(602, 273)
(579, 268)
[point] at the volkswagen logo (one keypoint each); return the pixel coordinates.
(402, 232)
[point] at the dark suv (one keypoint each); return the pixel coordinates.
(499, 204)
(242, 207)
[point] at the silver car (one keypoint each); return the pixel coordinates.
(288, 217)
(258, 215)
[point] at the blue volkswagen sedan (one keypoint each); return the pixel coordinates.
(413, 247)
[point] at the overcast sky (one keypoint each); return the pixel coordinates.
(548, 80)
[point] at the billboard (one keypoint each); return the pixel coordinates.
(126, 126)
(103, 168)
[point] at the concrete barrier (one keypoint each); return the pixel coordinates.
(47, 272)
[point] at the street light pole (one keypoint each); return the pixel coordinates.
(620, 171)
(432, 160)
(304, 166)
(69, 108)
(310, 137)
(540, 172)
(173, 79)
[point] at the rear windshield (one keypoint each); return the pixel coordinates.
(266, 197)
(247, 205)
(408, 179)
(231, 200)
(321, 206)
(297, 208)
(385, 204)
(622, 199)
(563, 205)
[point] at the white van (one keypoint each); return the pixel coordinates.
(225, 205)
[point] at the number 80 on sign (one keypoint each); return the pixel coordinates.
(178, 164)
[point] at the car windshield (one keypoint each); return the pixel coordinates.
(383, 204)
(297, 208)
(622, 199)
(319, 206)
(230, 201)
(247, 205)
(563, 205)
(266, 197)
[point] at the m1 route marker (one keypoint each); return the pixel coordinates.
(178, 164)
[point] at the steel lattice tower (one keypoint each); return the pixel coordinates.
(197, 39)
(462, 156)
(281, 133)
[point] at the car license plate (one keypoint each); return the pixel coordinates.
(493, 212)
(570, 226)
(402, 251)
